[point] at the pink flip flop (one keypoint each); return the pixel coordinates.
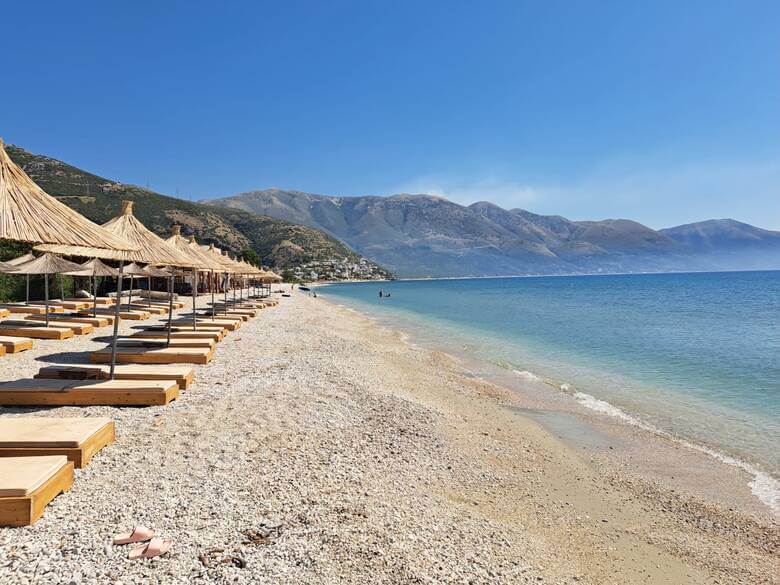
(137, 534)
(155, 548)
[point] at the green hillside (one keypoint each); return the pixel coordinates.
(279, 244)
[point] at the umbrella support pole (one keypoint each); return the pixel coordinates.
(94, 295)
(46, 297)
(194, 299)
(213, 306)
(116, 319)
(130, 293)
(27, 295)
(170, 310)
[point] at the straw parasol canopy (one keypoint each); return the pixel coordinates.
(153, 249)
(157, 272)
(237, 267)
(148, 246)
(202, 260)
(29, 214)
(46, 264)
(20, 259)
(134, 269)
(94, 267)
(216, 254)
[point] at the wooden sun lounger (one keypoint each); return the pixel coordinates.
(123, 314)
(229, 325)
(245, 314)
(156, 303)
(199, 334)
(16, 344)
(28, 484)
(101, 301)
(232, 315)
(28, 309)
(169, 355)
(99, 321)
(76, 438)
(182, 375)
(47, 392)
(143, 307)
(31, 329)
(160, 343)
(240, 305)
(216, 329)
(72, 305)
(75, 326)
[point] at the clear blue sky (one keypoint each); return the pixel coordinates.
(664, 112)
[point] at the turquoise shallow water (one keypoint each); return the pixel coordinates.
(697, 355)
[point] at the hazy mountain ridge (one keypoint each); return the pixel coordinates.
(417, 235)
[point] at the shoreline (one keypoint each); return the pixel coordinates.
(364, 459)
(568, 275)
(610, 445)
(763, 487)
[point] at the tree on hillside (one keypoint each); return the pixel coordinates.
(249, 255)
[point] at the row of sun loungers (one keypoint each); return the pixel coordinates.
(38, 454)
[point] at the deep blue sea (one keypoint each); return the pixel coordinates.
(696, 355)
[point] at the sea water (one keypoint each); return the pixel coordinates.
(694, 355)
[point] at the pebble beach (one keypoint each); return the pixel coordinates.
(319, 447)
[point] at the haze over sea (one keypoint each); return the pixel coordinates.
(695, 355)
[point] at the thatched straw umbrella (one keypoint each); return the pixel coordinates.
(29, 214)
(8, 267)
(227, 267)
(203, 261)
(148, 247)
(46, 264)
(132, 270)
(94, 268)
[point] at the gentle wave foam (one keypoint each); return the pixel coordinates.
(765, 487)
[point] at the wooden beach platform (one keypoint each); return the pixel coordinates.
(229, 324)
(28, 484)
(48, 392)
(133, 341)
(31, 329)
(76, 438)
(199, 334)
(27, 309)
(77, 327)
(123, 314)
(182, 375)
(99, 321)
(15, 344)
(169, 355)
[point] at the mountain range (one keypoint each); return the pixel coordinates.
(424, 235)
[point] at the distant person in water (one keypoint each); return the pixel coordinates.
(380, 293)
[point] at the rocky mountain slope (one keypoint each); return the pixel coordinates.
(278, 243)
(418, 235)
